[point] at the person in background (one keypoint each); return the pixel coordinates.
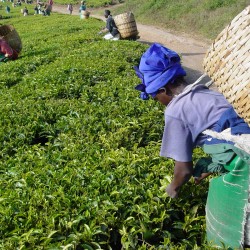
(82, 9)
(7, 9)
(82, 6)
(25, 11)
(111, 28)
(6, 52)
(47, 9)
(50, 4)
(70, 8)
(190, 110)
(40, 9)
(36, 10)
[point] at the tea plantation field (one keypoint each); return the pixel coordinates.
(80, 165)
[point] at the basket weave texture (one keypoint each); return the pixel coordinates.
(85, 13)
(126, 25)
(10, 35)
(227, 62)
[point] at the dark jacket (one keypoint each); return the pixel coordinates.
(111, 26)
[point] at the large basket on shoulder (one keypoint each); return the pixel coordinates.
(227, 62)
(126, 25)
(9, 34)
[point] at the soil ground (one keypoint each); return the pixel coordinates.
(192, 50)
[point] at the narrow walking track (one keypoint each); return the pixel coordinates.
(191, 50)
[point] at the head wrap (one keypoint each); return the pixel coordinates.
(158, 66)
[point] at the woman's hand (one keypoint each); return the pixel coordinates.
(198, 180)
(171, 191)
(182, 173)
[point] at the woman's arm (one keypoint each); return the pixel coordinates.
(182, 173)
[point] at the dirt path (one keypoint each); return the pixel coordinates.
(192, 50)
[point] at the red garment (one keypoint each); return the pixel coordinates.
(6, 50)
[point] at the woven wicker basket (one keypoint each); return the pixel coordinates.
(8, 33)
(85, 14)
(227, 62)
(126, 25)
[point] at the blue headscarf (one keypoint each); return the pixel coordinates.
(158, 66)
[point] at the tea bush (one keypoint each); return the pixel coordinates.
(80, 165)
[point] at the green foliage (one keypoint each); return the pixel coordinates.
(80, 165)
(215, 4)
(206, 18)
